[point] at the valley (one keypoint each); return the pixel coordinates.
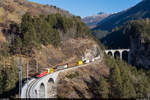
(48, 52)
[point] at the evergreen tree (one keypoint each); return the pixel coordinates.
(17, 45)
(126, 75)
(56, 41)
(142, 88)
(52, 20)
(103, 89)
(128, 90)
(115, 82)
(26, 20)
(37, 30)
(11, 77)
(46, 33)
(1, 80)
(29, 36)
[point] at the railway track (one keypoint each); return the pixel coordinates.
(29, 88)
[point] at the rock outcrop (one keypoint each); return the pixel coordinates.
(138, 32)
(139, 53)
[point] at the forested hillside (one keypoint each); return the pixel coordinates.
(36, 30)
(127, 81)
(12, 11)
(27, 29)
(116, 39)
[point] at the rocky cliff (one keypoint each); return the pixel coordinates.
(139, 54)
(138, 32)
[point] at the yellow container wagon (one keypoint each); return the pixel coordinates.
(80, 62)
(50, 70)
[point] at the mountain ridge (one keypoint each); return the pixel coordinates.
(91, 21)
(141, 10)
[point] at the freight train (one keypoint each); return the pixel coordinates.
(51, 70)
(57, 68)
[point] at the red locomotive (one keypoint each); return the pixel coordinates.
(48, 71)
(41, 74)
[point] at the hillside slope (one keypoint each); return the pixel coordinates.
(82, 82)
(12, 10)
(116, 39)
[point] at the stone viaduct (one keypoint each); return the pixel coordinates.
(40, 88)
(117, 52)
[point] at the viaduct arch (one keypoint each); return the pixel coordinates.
(121, 53)
(42, 90)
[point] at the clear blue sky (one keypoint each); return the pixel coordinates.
(90, 7)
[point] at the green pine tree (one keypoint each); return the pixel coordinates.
(1, 80)
(115, 82)
(11, 76)
(103, 89)
(128, 90)
(142, 88)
